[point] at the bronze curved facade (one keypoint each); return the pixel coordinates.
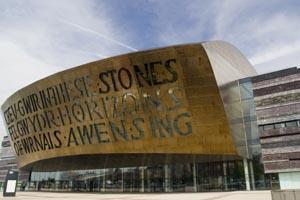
(161, 104)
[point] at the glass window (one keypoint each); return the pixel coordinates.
(279, 125)
(291, 124)
(269, 126)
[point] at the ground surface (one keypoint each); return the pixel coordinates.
(240, 195)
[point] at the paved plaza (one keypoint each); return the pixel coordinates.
(239, 195)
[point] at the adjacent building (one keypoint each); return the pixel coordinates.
(8, 161)
(277, 98)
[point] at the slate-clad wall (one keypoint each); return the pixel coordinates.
(277, 98)
(8, 161)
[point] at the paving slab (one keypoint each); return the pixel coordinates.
(239, 195)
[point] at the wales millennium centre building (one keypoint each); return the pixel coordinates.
(186, 118)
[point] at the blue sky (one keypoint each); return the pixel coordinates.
(38, 38)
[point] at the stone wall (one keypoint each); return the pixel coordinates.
(277, 98)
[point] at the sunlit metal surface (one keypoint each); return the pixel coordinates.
(149, 106)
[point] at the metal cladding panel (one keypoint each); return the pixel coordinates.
(157, 102)
(229, 65)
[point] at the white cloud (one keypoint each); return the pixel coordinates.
(88, 30)
(291, 59)
(18, 69)
(276, 52)
(263, 31)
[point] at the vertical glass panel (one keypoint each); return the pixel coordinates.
(182, 177)
(132, 179)
(113, 180)
(210, 176)
(155, 178)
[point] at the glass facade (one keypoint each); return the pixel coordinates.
(189, 177)
(258, 178)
